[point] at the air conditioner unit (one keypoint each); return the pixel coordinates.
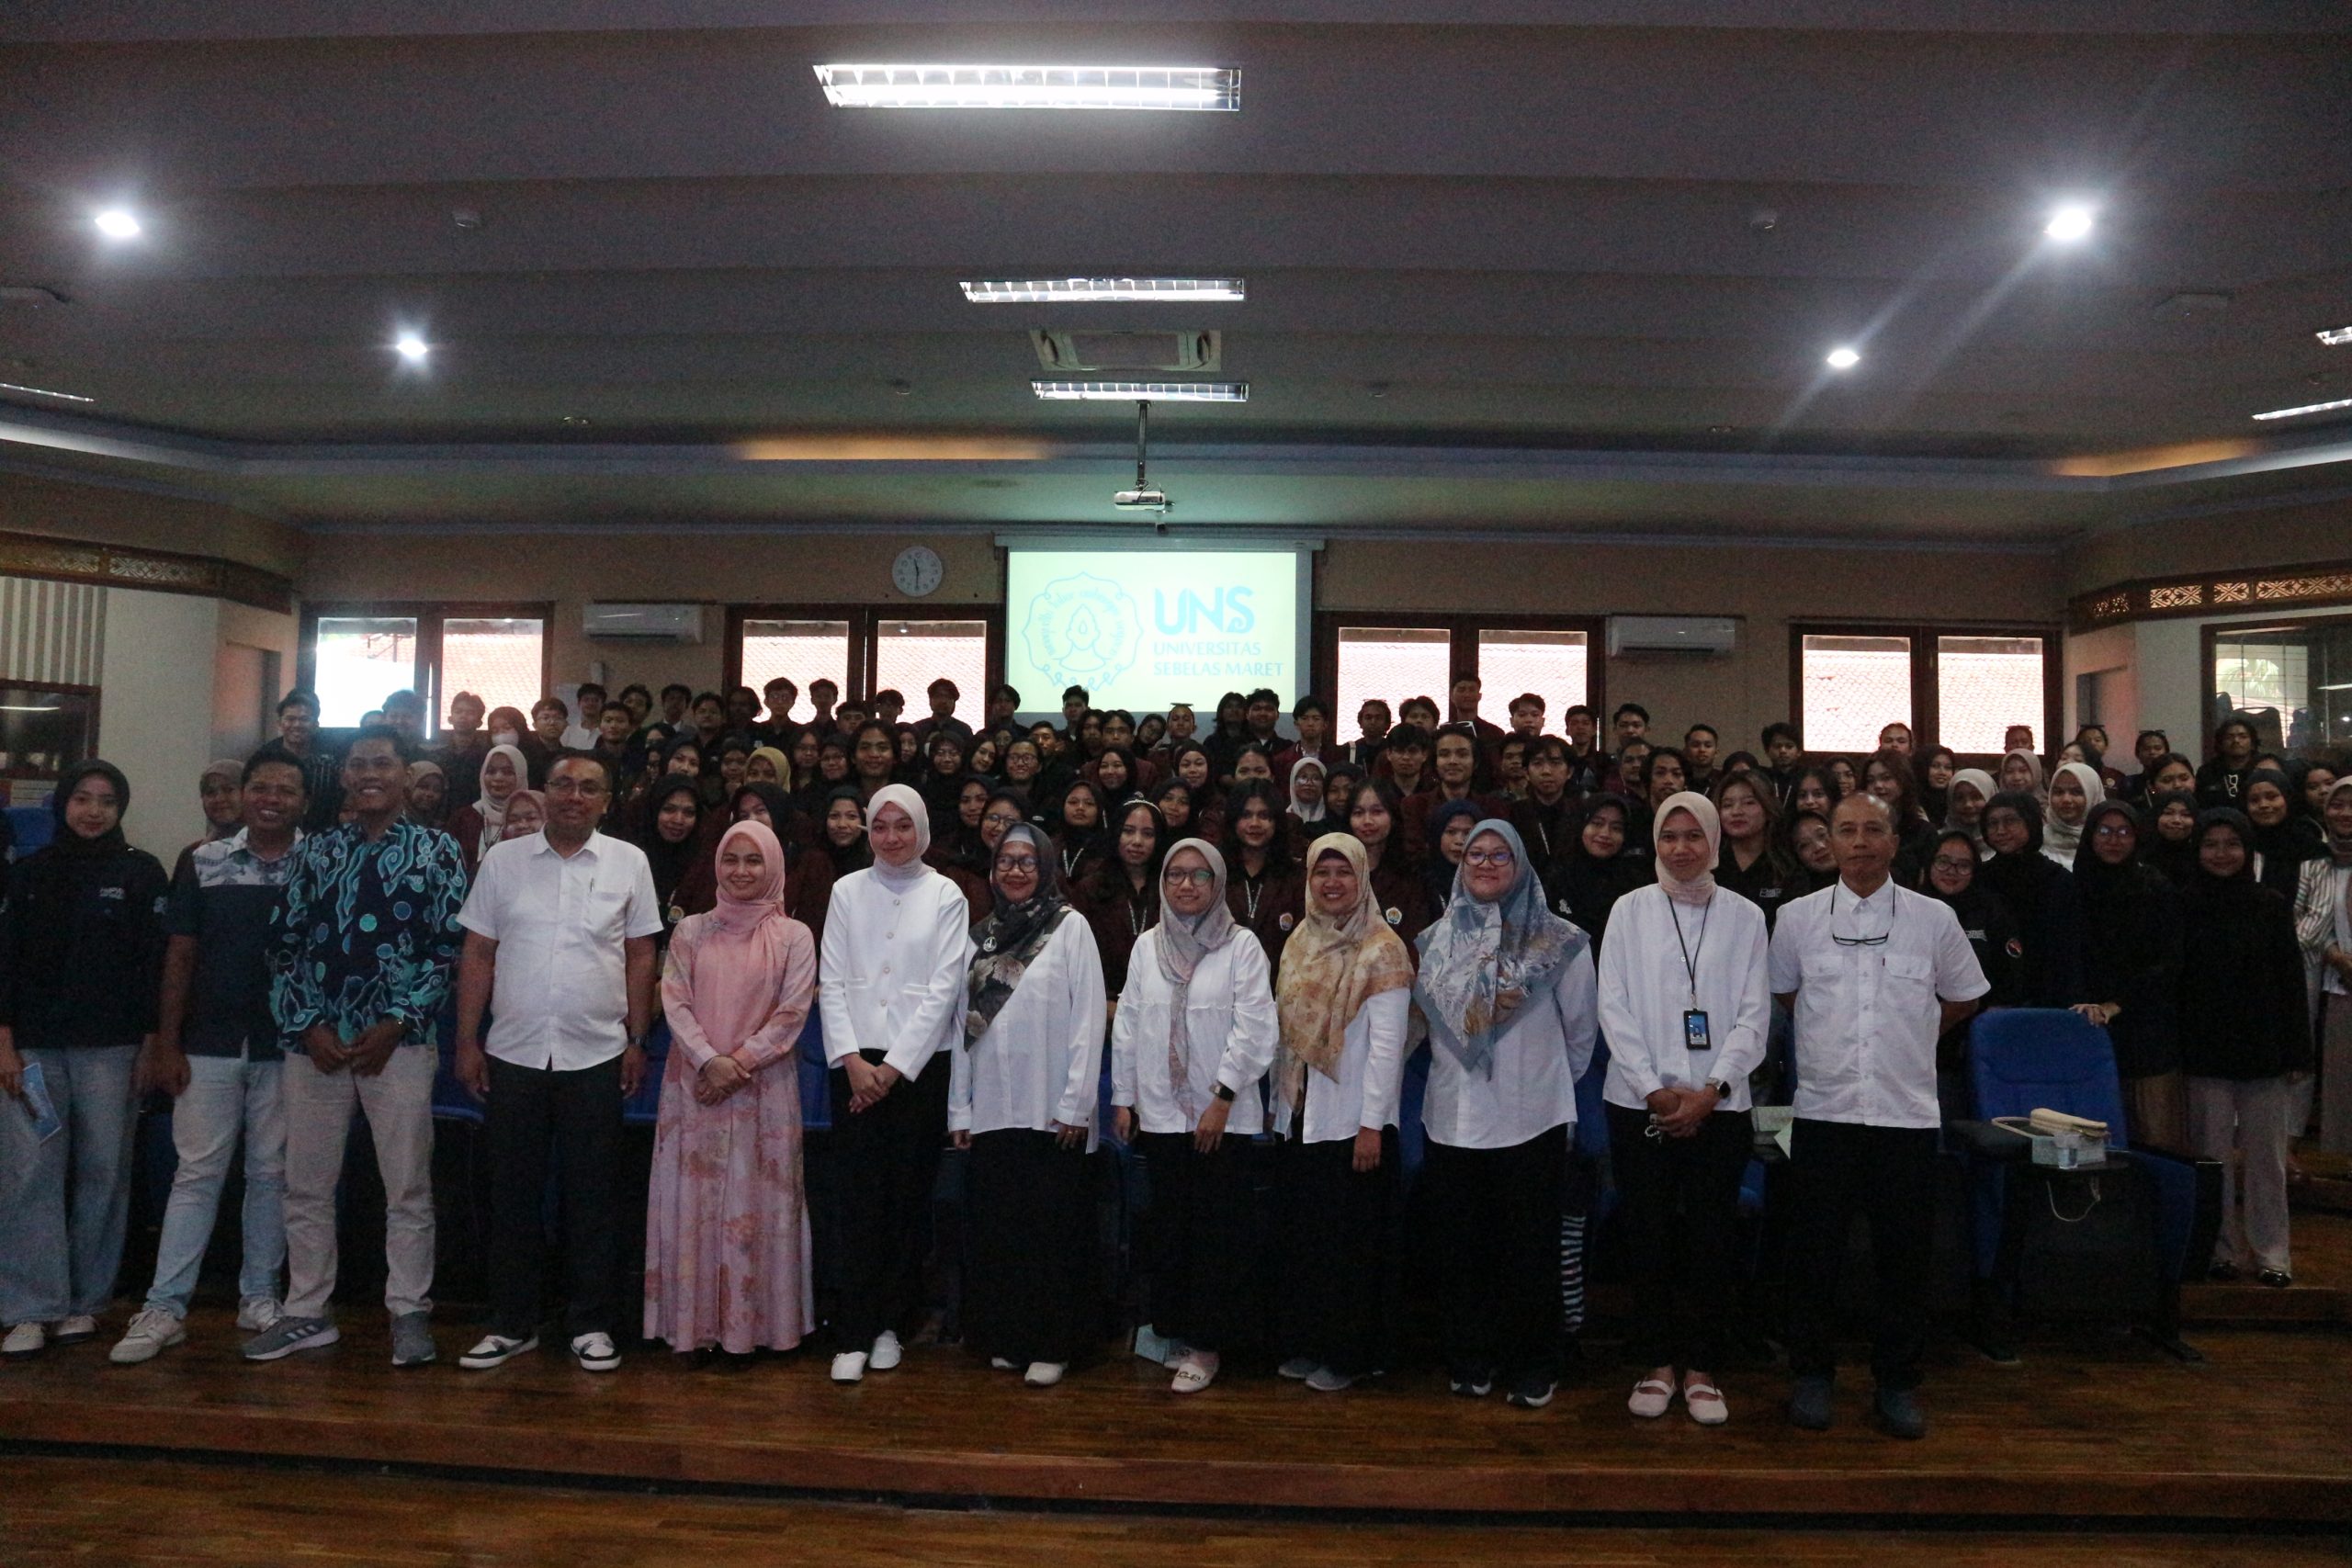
(642, 623)
(1715, 634)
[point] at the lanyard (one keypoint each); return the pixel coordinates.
(1691, 951)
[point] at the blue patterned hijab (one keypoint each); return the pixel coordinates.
(1483, 963)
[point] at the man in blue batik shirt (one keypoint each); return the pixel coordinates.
(360, 962)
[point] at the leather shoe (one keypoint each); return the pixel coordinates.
(1899, 1415)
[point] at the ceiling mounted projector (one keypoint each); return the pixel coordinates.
(1145, 496)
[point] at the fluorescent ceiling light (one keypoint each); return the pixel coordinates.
(2336, 337)
(1844, 358)
(413, 348)
(1153, 391)
(45, 392)
(1060, 290)
(2069, 223)
(117, 224)
(2307, 408)
(1031, 86)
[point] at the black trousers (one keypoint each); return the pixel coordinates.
(1681, 1208)
(1837, 1170)
(1339, 1280)
(1497, 1213)
(889, 1164)
(1029, 1292)
(536, 1112)
(1196, 1238)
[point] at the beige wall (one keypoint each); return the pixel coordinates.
(1766, 587)
(573, 569)
(139, 521)
(155, 713)
(2225, 542)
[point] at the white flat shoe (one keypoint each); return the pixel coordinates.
(998, 1363)
(849, 1366)
(1705, 1403)
(1194, 1373)
(1043, 1374)
(1651, 1397)
(887, 1351)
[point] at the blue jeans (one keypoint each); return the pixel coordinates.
(64, 1204)
(226, 1096)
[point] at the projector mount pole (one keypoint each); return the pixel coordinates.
(1143, 420)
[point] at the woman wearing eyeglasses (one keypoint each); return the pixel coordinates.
(1685, 1007)
(1194, 1034)
(1343, 996)
(1507, 986)
(1020, 1097)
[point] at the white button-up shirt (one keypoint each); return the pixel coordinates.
(1645, 990)
(1370, 1073)
(1868, 1017)
(1231, 1026)
(559, 998)
(1041, 1060)
(890, 974)
(1538, 1057)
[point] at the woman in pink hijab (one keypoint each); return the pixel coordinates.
(727, 1220)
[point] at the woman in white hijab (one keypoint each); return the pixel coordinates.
(1307, 803)
(1507, 988)
(1964, 812)
(890, 984)
(2074, 788)
(1685, 1007)
(1194, 1034)
(504, 772)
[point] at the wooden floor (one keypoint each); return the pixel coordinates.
(2096, 1425)
(62, 1510)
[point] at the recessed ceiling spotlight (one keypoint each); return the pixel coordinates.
(1843, 357)
(1066, 290)
(2307, 408)
(466, 218)
(1149, 392)
(2335, 337)
(117, 224)
(45, 392)
(900, 387)
(2069, 223)
(576, 422)
(411, 347)
(1031, 86)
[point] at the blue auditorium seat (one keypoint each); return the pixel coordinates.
(33, 827)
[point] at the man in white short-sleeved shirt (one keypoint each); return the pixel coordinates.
(559, 930)
(1877, 973)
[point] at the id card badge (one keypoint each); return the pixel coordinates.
(1695, 1036)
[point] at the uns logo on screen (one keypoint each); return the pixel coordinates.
(1226, 609)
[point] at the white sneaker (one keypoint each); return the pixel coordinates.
(496, 1351)
(257, 1313)
(998, 1363)
(849, 1366)
(887, 1351)
(1298, 1367)
(1323, 1379)
(151, 1332)
(25, 1339)
(594, 1352)
(1043, 1374)
(77, 1328)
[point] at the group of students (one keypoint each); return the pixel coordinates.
(1257, 929)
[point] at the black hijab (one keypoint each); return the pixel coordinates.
(2107, 889)
(2284, 847)
(1584, 887)
(671, 862)
(66, 843)
(2177, 862)
(859, 855)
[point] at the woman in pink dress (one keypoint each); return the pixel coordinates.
(727, 1222)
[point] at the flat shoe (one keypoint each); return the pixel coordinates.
(1651, 1398)
(1705, 1403)
(1193, 1375)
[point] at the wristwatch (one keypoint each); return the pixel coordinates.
(1721, 1088)
(1223, 1093)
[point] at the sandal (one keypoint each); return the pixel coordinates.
(1652, 1396)
(1704, 1400)
(1192, 1374)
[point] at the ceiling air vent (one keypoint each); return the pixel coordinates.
(1090, 351)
